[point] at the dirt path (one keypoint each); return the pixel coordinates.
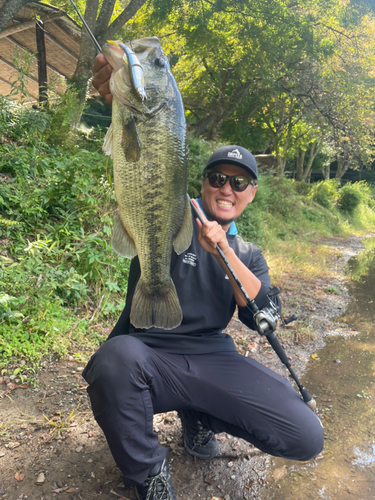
(51, 446)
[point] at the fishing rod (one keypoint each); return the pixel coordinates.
(265, 320)
(91, 34)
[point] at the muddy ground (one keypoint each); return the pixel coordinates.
(50, 445)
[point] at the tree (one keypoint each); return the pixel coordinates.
(225, 53)
(8, 10)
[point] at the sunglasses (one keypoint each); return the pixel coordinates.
(237, 182)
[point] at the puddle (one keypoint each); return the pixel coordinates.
(342, 380)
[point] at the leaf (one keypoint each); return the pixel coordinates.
(71, 490)
(19, 475)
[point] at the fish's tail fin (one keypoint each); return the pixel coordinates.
(159, 311)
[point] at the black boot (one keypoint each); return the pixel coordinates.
(198, 441)
(158, 485)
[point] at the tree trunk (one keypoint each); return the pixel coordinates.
(314, 150)
(9, 10)
(342, 166)
(326, 171)
(299, 167)
(87, 52)
(280, 163)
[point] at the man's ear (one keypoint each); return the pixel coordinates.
(252, 194)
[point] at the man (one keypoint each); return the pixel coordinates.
(195, 368)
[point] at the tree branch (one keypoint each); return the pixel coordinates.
(104, 15)
(130, 10)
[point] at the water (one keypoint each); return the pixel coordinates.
(342, 381)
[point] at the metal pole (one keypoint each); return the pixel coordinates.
(42, 62)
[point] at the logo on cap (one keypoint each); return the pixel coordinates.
(235, 154)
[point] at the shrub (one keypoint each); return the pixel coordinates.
(302, 188)
(349, 198)
(325, 193)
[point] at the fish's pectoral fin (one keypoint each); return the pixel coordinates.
(183, 238)
(122, 243)
(130, 141)
(108, 142)
(159, 311)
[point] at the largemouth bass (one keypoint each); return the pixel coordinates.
(147, 141)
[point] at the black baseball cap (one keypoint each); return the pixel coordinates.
(234, 155)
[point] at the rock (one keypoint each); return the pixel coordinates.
(279, 473)
(40, 479)
(230, 464)
(79, 449)
(12, 445)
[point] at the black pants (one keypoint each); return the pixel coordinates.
(129, 382)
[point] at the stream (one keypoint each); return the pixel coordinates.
(341, 377)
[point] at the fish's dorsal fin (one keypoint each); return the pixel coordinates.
(108, 142)
(122, 243)
(183, 238)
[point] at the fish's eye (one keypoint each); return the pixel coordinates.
(159, 62)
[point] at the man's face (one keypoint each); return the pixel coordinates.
(223, 204)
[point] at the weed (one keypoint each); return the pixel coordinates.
(59, 422)
(364, 395)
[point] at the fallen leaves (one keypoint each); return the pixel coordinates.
(65, 488)
(19, 475)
